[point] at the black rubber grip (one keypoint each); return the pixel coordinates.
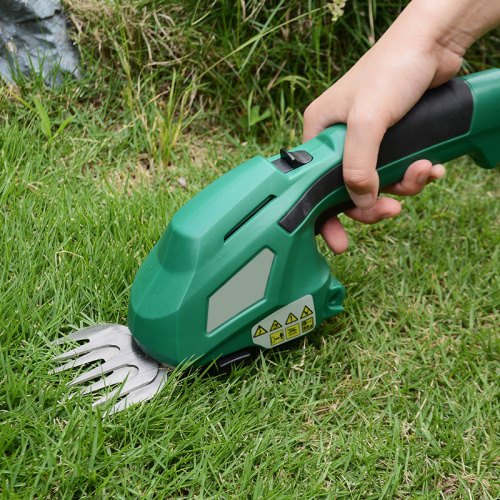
(441, 114)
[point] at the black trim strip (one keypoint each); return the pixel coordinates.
(318, 191)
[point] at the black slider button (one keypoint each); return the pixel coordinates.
(290, 160)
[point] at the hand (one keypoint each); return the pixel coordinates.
(422, 49)
(416, 177)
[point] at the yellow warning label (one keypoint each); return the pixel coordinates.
(306, 312)
(307, 324)
(292, 331)
(275, 326)
(260, 331)
(288, 323)
(277, 337)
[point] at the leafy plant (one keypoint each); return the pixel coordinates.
(45, 123)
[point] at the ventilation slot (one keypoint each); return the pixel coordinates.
(247, 217)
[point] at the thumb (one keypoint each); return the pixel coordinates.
(322, 113)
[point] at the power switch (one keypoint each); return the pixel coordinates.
(290, 160)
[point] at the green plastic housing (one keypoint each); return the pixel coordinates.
(229, 223)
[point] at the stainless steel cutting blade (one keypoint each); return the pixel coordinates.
(123, 363)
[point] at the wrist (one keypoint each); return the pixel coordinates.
(455, 25)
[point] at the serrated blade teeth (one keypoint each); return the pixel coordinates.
(96, 331)
(105, 353)
(116, 377)
(123, 362)
(100, 370)
(143, 394)
(92, 347)
(147, 372)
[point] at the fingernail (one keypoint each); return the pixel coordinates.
(422, 178)
(438, 171)
(363, 201)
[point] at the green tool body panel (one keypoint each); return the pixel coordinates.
(244, 248)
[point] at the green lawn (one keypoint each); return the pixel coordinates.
(398, 397)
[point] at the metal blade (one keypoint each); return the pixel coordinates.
(104, 354)
(145, 376)
(95, 331)
(144, 393)
(116, 377)
(124, 362)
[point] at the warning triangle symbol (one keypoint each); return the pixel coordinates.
(306, 312)
(275, 325)
(260, 331)
(291, 318)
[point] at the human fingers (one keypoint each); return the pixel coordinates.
(362, 143)
(416, 177)
(328, 109)
(384, 208)
(335, 235)
(363, 137)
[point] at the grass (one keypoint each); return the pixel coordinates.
(396, 398)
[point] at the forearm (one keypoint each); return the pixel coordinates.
(452, 24)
